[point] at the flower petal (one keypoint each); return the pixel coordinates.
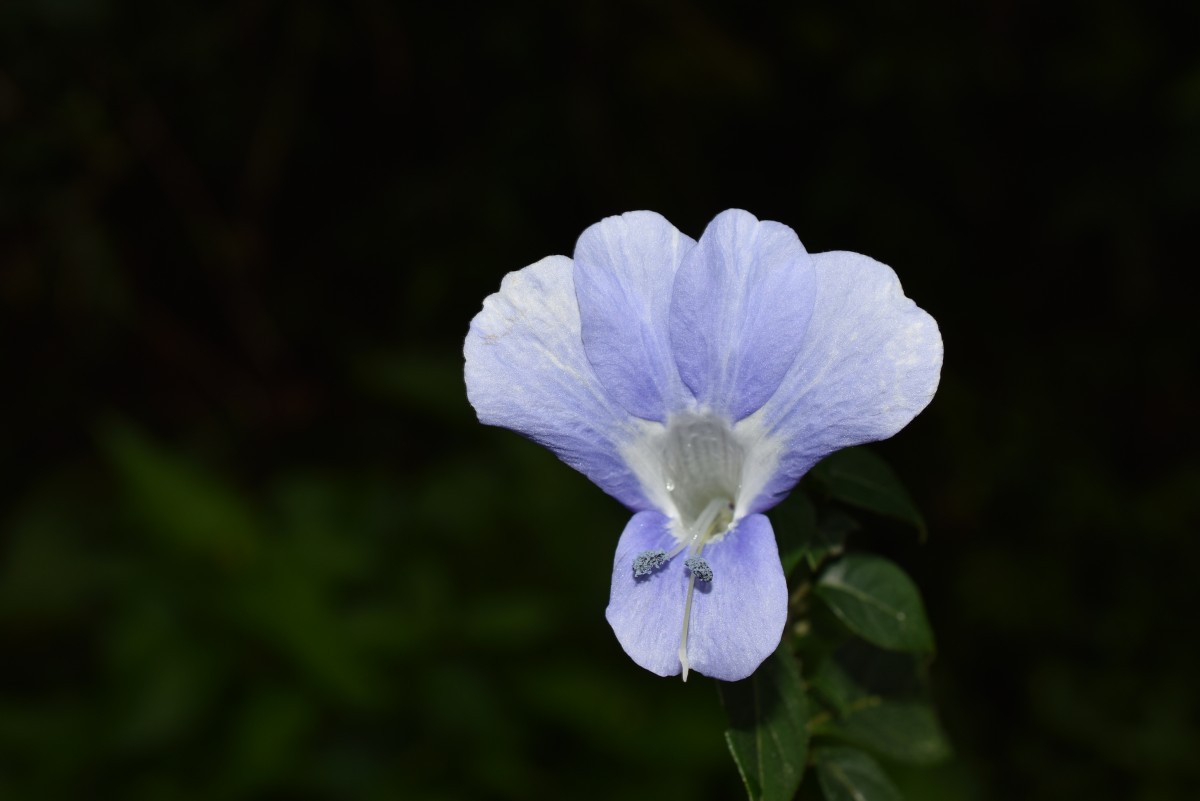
(738, 619)
(869, 363)
(624, 270)
(526, 370)
(646, 613)
(742, 300)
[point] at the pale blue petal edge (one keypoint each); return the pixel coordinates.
(624, 271)
(737, 619)
(646, 613)
(526, 370)
(869, 362)
(741, 303)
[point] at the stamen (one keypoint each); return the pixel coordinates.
(687, 616)
(699, 568)
(648, 561)
(679, 548)
(713, 520)
(704, 526)
(701, 571)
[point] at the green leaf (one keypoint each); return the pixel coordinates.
(905, 731)
(860, 478)
(846, 774)
(802, 538)
(178, 502)
(829, 538)
(877, 601)
(860, 669)
(768, 733)
(834, 685)
(285, 606)
(795, 524)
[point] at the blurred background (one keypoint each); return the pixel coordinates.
(253, 543)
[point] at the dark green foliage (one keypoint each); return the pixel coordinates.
(876, 601)
(858, 477)
(768, 727)
(795, 525)
(849, 775)
(859, 635)
(901, 731)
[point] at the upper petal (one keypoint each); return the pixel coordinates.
(526, 370)
(738, 619)
(741, 303)
(624, 270)
(868, 364)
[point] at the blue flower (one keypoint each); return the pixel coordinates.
(696, 382)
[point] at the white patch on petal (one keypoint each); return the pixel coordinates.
(644, 455)
(698, 457)
(763, 452)
(702, 461)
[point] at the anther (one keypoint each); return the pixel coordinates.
(699, 567)
(648, 561)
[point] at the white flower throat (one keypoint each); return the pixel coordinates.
(701, 468)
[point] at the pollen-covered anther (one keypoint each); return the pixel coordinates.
(648, 561)
(699, 568)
